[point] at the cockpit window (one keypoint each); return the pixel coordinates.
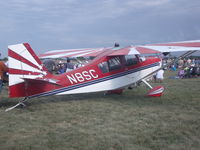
(142, 58)
(110, 65)
(104, 67)
(114, 63)
(131, 60)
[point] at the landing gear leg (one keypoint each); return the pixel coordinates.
(144, 81)
(21, 103)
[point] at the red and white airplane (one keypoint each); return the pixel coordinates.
(111, 70)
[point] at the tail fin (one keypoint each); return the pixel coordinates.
(23, 63)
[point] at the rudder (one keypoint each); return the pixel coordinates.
(23, 63)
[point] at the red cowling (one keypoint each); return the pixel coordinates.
(156, 91)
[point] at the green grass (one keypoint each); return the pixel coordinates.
(115, 122)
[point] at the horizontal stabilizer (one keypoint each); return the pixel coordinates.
(39, 81)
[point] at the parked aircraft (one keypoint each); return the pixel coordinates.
(112, 69)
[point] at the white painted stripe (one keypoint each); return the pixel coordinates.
(74, 54)
(66, 50)
(16, 64)
(171, 48)
(157, 91)
(133, 51)
(18, 48)
(192, 41)
(113, 83)
(21, 50)
(80, 55)
(65, 54)
(16, 79)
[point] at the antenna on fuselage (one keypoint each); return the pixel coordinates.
(116, 45)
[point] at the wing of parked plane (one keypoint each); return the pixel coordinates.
(84, 52)
(190, 46)
(175, 46)
(133, 50)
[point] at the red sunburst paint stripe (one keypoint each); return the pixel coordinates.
(144, 50)
(22, 72)
(64, 52)
(184, 44)
(94, 54)
(123, 51)
(20, 58)
(32, 53)
(56, 53)
(81, 53)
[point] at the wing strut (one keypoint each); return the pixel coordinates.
(144, 81)
(187, 54)
(182, 56)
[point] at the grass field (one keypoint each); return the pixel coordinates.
(129, 121)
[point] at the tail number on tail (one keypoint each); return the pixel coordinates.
(83, 76)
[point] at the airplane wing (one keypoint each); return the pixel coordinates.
(41, 81)
(130, 50)
(84, 52)
(159, 48)
(175, 46)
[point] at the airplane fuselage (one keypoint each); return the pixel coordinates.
(103, 74)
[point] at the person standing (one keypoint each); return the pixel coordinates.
(3, 69)
(160, 75)
(69, 66)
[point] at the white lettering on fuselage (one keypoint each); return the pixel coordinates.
(83, 76)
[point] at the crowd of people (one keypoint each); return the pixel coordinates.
(62, 66)
(186, 67)
(188, 72)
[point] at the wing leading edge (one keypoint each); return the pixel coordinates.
(130, 50)
(85, 52)
(174, 46)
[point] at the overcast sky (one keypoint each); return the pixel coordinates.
(64, 24)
